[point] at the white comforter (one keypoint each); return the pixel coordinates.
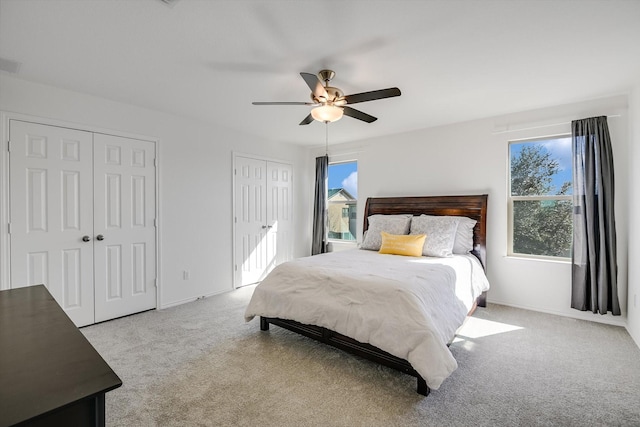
(409, 307)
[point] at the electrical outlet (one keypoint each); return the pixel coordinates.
(186, 275)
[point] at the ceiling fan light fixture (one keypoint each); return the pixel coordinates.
(331, 103)
(327, 113)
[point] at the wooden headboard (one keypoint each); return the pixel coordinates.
(474, 207)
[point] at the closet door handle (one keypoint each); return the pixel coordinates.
(100, 237)
(86, 238)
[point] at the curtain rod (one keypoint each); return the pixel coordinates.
(543, 126)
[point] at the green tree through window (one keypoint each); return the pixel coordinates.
(540, 198)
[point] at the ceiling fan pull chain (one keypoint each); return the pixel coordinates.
(326, 146)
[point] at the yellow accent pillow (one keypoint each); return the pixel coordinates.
(406, 244)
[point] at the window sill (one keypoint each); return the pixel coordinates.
(342, 245)
(539, 259)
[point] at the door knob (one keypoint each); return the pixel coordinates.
(86, 238)
(100, 237)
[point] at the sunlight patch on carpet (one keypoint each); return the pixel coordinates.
(478, 328)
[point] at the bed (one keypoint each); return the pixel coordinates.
(412, 338)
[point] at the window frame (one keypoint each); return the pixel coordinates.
(511, 199)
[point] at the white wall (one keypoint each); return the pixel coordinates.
(195, 180)
(472, 158)
(633, 316)
(196, 186)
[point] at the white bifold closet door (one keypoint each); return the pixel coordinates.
(124, 226)
(262, 218)
(82, 219)
(51, 199)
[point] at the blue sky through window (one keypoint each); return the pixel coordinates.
(344, 175)
(560, 149)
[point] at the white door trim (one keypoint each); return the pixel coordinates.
(235, 154)
(5, 117)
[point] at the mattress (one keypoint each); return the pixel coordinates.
(409, 307)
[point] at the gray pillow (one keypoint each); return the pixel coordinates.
(463, 243)
(440, 231)
(392, 224)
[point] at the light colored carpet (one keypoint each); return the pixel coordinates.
(200, 364)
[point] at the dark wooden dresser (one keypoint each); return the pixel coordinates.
(50, 375)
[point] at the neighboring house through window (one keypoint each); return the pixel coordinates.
(540, 198)
(342, 198)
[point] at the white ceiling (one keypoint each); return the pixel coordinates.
(209, 59)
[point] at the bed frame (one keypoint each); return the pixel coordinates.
(474, 207)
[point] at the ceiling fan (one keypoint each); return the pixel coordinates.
(331, 103)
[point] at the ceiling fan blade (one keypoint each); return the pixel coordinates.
(284, 103)
(315, 85)
(357, 114)
(307, 120)
(373, 95)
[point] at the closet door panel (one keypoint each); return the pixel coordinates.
(250, 221)
(279, 210)
(51, 211)
(124, 198)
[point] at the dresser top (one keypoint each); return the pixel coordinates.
(45, 361)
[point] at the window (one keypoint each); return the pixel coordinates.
(540, 197)
(343, 199)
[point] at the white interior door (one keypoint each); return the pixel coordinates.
(51, 199)
(82, 219)
(279, 214)
(250, 220)
(263, 218)
(124, 226)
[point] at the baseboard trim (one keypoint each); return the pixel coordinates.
(192, 299)
(589, 317)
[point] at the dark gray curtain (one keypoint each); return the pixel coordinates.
(594, 270)
(319, 243)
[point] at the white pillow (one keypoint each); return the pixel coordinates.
(440, 231)
(463, 243)
(392, 224)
